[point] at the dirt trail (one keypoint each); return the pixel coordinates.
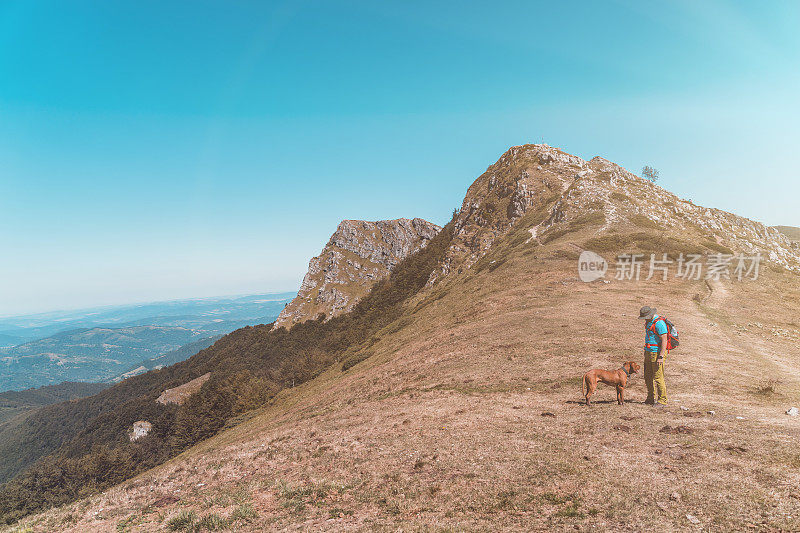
(759, 360)
(718, 293)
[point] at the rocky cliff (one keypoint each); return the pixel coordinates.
(358, 254)
(552, 193)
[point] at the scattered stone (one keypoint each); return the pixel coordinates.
(712, 413)
(684, 408)
(620, 427)
(548, 413)
(662, 506)
(164, 501)
(693, 519)
(793, 411)
(684, 430)
(739, 418)
(139, 430)
(675, 496)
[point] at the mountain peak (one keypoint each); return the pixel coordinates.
(551, 191)
(358, 254)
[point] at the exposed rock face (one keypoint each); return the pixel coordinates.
(139, 430)
(179, 394)
(358, 254)
(524, 178)
(546, 189)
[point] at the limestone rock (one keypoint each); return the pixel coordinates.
(139, 430)
(558, 190)
(358, 254)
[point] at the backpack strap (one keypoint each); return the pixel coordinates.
(653, 324)
(652, 328)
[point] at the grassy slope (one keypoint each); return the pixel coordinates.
(790, 231)
(444, 426)
(88, 438)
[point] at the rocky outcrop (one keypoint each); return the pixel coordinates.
(178, 395)
(547, 190)
(525, 178)
(139, 430)
(358, 254)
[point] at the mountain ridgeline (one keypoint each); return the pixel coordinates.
(535, 197)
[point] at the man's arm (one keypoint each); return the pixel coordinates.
(662, 345)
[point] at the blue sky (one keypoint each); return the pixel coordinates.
(155, 150)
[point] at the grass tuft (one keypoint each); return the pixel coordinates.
(244, 512)
(767, 387)
(211, 522)
(184, 521)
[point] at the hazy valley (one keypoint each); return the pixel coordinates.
(101, 344)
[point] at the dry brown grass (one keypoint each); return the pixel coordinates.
(179, 394)
(442, 427)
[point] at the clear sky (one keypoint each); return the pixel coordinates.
(155, 150)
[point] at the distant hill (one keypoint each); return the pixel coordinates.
(167, 359)
(69, 390)
(237, 310)
(87, 354)
(128, 337)
(12, 403)
(790, 231)
(10, 340)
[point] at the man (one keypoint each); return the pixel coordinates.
(655, 344)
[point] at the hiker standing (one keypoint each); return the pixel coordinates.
(655, 344)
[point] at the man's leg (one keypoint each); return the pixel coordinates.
(648, 378)
(661, 384)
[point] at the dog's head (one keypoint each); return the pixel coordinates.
(631, 367)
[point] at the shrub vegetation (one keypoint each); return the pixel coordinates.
(70, 450)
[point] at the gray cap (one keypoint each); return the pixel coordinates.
(647, 312)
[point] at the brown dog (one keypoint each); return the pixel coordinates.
(618, 378)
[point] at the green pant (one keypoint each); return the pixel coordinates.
(654, 378)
